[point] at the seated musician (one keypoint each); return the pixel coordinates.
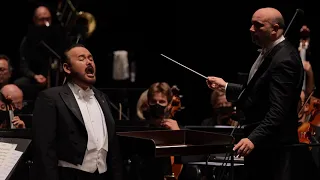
(309, 84)
(142, 105)
(5, 70)
(154, 106)
(306, 91)
(12, 96)
(221, 110)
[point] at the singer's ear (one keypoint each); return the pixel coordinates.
(66, 68)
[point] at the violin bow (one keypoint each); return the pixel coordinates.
(294, 16)
(305, 102)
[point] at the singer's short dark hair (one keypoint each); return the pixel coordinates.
(66, 58)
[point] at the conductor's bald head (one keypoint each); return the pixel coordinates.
(272, 15)
(267, 26)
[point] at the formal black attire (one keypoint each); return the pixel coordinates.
(269, 104)
(59, 133)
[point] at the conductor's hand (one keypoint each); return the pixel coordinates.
(216, 83)
(244, 147)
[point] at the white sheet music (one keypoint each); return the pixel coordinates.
(8, 158)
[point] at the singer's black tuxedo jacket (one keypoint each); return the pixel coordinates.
(59, 133)
(269, 102)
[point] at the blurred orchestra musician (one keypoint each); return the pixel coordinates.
(222, 110)
(304, 45)
(39, 63)
(305, 55)
(142, 105)
(309, 83)
(5, 70)
(307, 90)
(155, 106)
(12, 99)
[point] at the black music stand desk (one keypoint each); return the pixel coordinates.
(22, 145)
(21, 137)
(160, 143)
(237, 132)
(166, 143)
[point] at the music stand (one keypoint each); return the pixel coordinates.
(22, 146)
(160, 143)
(166, 143)
(237, 133)
(16, 133)
(127, 126)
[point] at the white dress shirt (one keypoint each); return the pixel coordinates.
(93, 117)
(262, 55)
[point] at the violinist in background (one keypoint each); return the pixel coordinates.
(154, 106)
(221, 110)
(11, 96)
(305, 107)
(305, 55)
(307, 90)
(142, 105)
(309, 84)
(304, 45)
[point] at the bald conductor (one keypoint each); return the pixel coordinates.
(269, 101)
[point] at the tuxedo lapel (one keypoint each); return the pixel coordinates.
(262, 68)
(70, 101)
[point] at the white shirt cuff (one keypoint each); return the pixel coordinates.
(225, 88)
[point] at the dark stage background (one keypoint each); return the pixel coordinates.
(210, 37)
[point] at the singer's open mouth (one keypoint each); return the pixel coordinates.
(90, 71)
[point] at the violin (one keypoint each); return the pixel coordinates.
(173, 107)
(306, 129)
(315, 113)
(175, 104)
